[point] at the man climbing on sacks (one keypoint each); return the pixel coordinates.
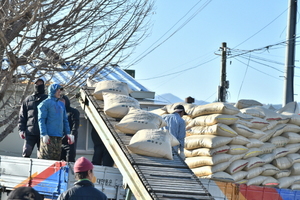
(176, 126)
(53, 124)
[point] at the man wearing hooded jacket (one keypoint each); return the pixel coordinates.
(68, 151)
(28, 118)
(53, 124)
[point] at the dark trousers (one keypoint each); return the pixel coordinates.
(68, 151)
(29, 143)
(101, 156)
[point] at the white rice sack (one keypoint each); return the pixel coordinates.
(155, 144)
(112, 86)
(280, 152)
(117, 105)
(246, 103)
(214, 108)
(236, 166)
(285, 182)
(257, 134)
(268, 158)
(254, 143)
(205, 141)
(279, 141)
(237, 149)
(282, 173)
(279, 129)
(296, 178)
(253, 111)
(216, 129)
(220, 167)
(187, 119)
(242, 130)
(239, 175)
(282, 163)
(206, 151)
(244, 123)
(90, 83)
(208, 120)
(294, 119)
(202, 171)
(293, 137)
(138, 119)
(244, 117)
(295, 187)
(256, 180)
(236, 157)
(267, 136)
(252, 152)
(194, 162)
(292, 128)
(240, 140)
(295, 157)
(244, 181)
(269, 170)
(161, 112)
(270, 182)
(271, 125)
(291, 107)
(254, 162)
(259, 123)
(293, 148)
(267, 147)
(270, 115)
(188, 107)
(254, 172)
(220, 176)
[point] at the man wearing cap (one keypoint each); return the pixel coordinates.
(53, 124)
(28, 118)
(83, 188)
(176, 126)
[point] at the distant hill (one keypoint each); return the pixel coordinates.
(170, 98)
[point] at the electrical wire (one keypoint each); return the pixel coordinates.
(172, 34)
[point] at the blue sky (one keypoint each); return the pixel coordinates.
(179, 56)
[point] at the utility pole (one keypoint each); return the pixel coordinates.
(222, 93)
(290, 53)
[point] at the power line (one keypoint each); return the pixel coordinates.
(185, 23)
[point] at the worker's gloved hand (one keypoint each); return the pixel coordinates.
(22, 134)
(46, 139)
(71, 139)
(182, 154)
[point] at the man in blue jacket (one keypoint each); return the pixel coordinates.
(53, 124)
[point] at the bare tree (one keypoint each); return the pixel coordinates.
(40, 37)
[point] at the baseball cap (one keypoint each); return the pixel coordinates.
(24, 193)
(82, 165)
(180, 108)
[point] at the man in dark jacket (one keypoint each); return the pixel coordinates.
(83, 189)
(68, 151)
(28, 118)
(101, 155)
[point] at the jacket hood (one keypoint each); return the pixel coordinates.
(67, 103)
(52, 89)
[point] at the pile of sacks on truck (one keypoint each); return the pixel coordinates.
(244, 143)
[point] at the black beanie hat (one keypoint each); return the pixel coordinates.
(24, 193)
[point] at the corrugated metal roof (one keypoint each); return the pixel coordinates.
(64, 77)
